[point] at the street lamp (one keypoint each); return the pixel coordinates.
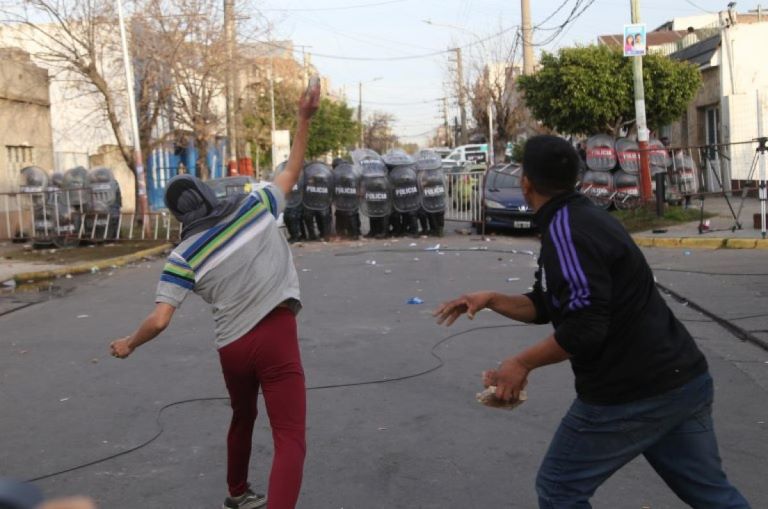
(361, 142)
(487, 57)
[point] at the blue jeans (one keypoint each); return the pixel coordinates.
(673, 431)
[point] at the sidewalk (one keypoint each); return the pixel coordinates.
(720, 233)
(42, 264)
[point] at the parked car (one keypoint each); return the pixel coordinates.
(503, 203)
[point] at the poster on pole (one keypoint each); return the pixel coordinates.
(634, 40)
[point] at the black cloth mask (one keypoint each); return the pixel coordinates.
(194, 204)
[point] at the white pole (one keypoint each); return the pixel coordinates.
(490, 109)
(762, 191)
(141, 182)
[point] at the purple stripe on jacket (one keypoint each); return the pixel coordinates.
(569, 263)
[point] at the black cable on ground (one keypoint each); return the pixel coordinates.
(728, 325)
(161, 429)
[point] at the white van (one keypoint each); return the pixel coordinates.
(465, 155)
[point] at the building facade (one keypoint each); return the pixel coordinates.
(25, 117)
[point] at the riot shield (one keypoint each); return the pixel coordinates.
(318, 187)
(358, 155)
(33, 180)
(598, 187)
(405, 189)
(432, 190)
(76, 188)
(627, 187)
(345, 183)
(105, 191)
(375, 195)
(296, 196)
(628, 155)
(601, 155)
(658, 156)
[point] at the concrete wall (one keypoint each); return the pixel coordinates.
(743, 72)
(25, 117)
(689, 131)
(79, 126)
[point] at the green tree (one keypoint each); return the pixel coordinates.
(589, 89)
(333, 129)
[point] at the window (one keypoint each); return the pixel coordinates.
(17, 157)
(505, 181)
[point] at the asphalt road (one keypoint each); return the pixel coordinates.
(419, 442)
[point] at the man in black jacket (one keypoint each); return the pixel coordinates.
(643, 385)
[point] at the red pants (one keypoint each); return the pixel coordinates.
(267, 356)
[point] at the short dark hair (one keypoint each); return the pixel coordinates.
(551, 164)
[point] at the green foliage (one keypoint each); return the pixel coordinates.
(644, 218)
(589, 89)
(333, 129)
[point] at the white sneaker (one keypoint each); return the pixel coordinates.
(248, 500)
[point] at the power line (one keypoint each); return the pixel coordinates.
(404, 57)
(338, 8)
(689, 2)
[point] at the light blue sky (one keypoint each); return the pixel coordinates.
(410, 88)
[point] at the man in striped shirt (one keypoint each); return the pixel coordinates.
(233, 255)
(643, 385)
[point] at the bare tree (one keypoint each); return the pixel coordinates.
(177, 50)
(493, 77)
(377, 132)
(193, 32)
(78, 41)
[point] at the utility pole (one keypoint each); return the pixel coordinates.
(138, 164)
(525, 12)
(361, 141)
(230, 82)
(448, 137)
(462, 96)
(642, 128)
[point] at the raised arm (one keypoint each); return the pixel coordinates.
(516, 307)
(308, 105)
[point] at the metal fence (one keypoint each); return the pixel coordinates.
(465, 197)
(65, 218)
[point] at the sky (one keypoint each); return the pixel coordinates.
(361, 31)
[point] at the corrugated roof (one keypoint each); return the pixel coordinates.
(699, 53)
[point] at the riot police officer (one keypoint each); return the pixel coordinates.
(405, 198)
(317, 199)
(346, 178)
(429, 167)
(375, 192)
(293, 216)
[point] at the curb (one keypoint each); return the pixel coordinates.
(83, 268)
(700, 242)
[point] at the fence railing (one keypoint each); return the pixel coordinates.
(65, 219)
(465, 197)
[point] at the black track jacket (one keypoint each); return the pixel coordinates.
(596, 288)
